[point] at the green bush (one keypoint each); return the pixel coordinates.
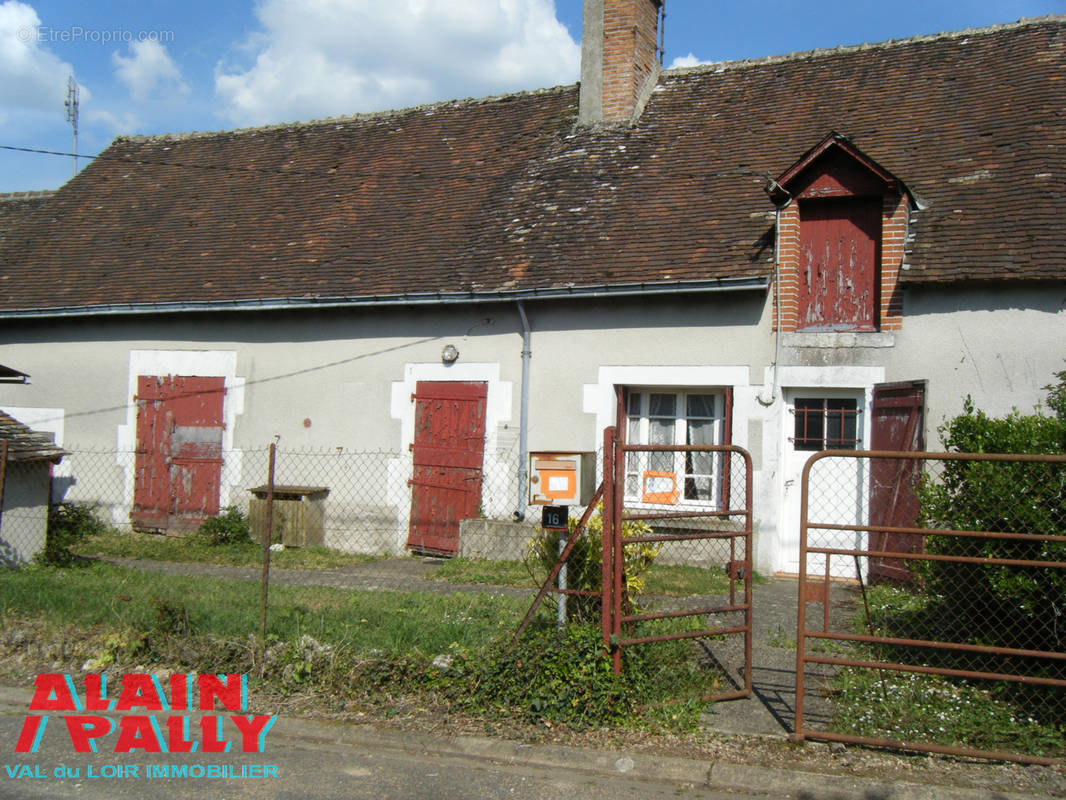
(584, 567)
(228, 528)
(999, 605)
(68, 524)
(562, 676)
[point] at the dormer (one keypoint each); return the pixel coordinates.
(843, 226)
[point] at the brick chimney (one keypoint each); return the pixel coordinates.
(619, 59)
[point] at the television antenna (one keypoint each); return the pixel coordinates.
(72, 114)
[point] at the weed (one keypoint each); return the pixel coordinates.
(68, 524)
(228, 528)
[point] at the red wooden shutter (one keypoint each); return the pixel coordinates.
(898, 425)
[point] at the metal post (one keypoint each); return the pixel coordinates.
(619, 565)
(801, 611)
(268, 534)
(3, 474)
(562, 582)
(606, 582)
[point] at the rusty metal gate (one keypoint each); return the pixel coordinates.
(965, 652)
(693, 505)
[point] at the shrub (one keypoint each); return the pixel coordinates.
(68, 524)
(1024, 603)
(228, 528)
(584, 567)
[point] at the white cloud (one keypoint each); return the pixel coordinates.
(31, 77)
(688, 61)
(117, 124)
(149, 72)
(317, 58)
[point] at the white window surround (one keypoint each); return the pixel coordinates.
(497, 499)
(600, 399)
(187, 363)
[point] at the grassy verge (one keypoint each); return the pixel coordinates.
(408, 624)
(349, 649)
(155, 547)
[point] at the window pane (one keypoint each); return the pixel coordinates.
(700, 405)
(699, 463)
(634, 404)
(698, 489)
(701, 432)
(661, 431)
(662, 405)
(809, 433)
(841, 422)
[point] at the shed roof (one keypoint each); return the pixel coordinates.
(506, 196)
(25, 444)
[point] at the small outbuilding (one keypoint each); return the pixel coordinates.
(26, 459)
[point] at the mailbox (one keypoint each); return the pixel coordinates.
(561, 479)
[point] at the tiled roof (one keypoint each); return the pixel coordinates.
(24, 444)
(505, 194)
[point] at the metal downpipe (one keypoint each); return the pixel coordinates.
(523, 424)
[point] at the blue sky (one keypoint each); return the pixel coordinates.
(153, 67)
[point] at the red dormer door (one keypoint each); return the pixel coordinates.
(839, 264)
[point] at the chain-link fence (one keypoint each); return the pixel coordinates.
(951, 634)
(343, 500)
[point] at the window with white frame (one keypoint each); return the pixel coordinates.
(675, 417)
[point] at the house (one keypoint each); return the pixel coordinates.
(26, 459)
(767, 253)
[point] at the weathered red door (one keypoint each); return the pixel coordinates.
(897, 424)
(839, 252)
(178, 467)
(448, 449)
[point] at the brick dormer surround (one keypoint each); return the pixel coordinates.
(836, 170)
(619, 58)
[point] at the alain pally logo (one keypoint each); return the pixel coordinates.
(147, 716)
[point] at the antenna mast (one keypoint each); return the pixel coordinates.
(72, 114)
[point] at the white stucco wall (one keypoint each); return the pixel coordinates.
(24, 517)
(340, 381)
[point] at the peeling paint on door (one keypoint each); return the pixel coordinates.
(178, 470)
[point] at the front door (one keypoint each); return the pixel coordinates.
(448, 450)
(822, 419)
(178, 469)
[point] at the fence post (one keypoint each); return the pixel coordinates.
(618, 571)
(3, 475)
(607, 560)
(267, 536)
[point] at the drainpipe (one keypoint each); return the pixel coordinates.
(523, 425)
(777, 301)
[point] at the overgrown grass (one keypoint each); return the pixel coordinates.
(912, 707)
(371, 648)
(397, 624)
(156, 547)
(928, 708)
(661, 579)
(480, 570)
